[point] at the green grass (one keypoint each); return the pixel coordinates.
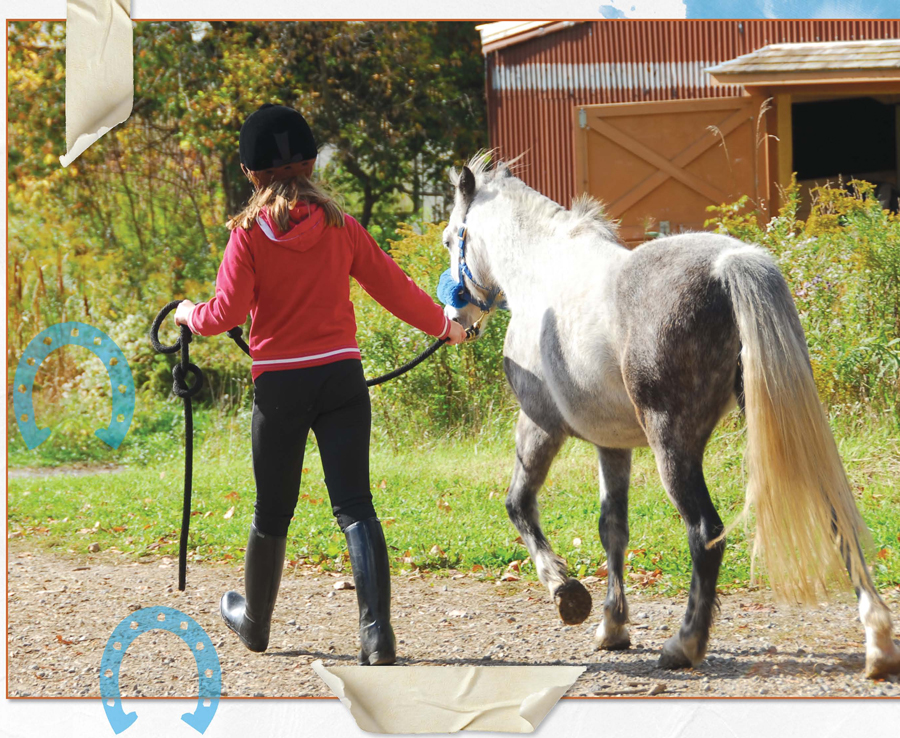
(442, 502)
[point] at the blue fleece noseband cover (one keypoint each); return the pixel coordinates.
(450, 292)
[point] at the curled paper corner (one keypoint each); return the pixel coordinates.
(447, 699)
(334, 682)
(99, 71)
(86, 139)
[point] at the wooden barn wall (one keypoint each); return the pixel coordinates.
(533, 86)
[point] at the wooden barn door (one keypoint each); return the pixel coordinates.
(658, 165)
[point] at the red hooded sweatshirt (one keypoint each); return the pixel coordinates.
(296, 287)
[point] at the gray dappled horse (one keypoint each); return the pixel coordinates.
(652, 347)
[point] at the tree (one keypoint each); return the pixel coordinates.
(139, 217)
(398, 101)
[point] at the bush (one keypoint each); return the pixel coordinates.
(459, 389)
(843, 267)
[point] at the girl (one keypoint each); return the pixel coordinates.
(288, 263)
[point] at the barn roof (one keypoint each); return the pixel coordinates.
(829, 61)
(501, 34)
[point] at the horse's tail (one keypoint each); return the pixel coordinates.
(808, 529)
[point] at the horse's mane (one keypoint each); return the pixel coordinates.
(587, 214)
(478, 164)
(590, 214)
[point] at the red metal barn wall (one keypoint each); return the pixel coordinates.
(533, 86)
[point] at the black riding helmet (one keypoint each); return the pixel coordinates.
(275, 136)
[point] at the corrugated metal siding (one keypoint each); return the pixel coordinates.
(532, 87)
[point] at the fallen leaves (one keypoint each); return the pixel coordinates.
(643, 578)
(883, 554)
(63, 640)
(233, 495)
(443, 505)
(512, 572)
(756, 607)
(94, 548)
(229, 513)
(343, 584)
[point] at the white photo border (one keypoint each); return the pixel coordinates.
(644, 718)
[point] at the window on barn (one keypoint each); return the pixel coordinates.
(847, 139)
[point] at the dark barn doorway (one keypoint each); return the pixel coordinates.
(850, 138)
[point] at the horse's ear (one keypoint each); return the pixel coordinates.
(467, 185)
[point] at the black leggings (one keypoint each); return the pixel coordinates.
(333, 401)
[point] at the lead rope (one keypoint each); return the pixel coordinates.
(180, 388)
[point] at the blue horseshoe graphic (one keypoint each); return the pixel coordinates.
(89, 337)
(185, 627)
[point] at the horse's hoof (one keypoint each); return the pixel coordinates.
(880, 665)
(673, 655)
(573, 602)
(612, 637)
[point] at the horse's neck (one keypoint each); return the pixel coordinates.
(536, 268)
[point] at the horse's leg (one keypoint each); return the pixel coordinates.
(682, 476)
(882, 654)
(535, 451)
(615, 473)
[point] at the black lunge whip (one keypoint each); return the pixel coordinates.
(181, 389)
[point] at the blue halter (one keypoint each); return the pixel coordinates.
(454, 291)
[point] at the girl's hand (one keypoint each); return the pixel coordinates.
(457, 334)
(183, 312)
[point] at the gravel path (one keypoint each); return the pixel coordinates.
(61, 612)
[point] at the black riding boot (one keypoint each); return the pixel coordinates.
(250, 618)
(372, 576)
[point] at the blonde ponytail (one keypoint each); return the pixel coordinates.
(280, 196)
